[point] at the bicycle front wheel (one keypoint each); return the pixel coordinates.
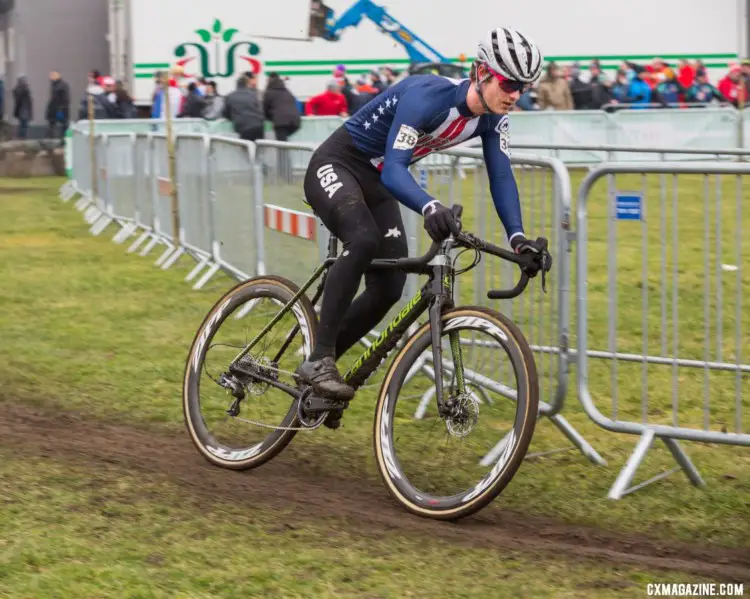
(449, 462)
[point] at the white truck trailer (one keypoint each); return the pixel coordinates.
(223, 38)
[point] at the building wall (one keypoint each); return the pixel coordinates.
(69, 36)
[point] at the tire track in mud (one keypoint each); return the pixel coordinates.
(362, 505)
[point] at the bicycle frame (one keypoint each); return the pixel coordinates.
(435, 296)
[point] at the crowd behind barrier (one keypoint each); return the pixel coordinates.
(241, 210)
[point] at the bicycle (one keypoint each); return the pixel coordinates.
(256, 371)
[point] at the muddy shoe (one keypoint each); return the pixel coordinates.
(323, 376)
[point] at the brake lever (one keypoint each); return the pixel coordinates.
(545, 255)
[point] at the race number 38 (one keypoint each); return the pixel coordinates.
(406, 138)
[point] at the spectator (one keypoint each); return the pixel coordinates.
(639, 91)
(579, 89)
(22, 106)
(214, 102)
(364, 92)
(670, 89)
(595, 72)
(627, 67)
(729, 87)
(554, 91)
(745, 67)
(280, 107)
(124, 104)
(620, 87)
(376, 82)
(243, 108)
(390, 77)
(109, 84)
(252, 80)
(58, 107)
(528, 100)
(600, 88)
(330, 103)
(103, 108)
(195, 103)
(702, 91)
(655, 73)
(686, 74)
(158, 108)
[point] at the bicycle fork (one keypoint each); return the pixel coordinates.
(436, 332)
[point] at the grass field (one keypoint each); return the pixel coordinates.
(86, 327)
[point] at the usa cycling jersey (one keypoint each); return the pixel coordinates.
(424, 114)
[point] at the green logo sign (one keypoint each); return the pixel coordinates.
(217, 55)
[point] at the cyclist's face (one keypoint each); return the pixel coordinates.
(501, 93)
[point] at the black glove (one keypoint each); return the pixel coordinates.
(439, 221)
(542, 260)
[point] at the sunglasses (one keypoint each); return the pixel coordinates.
(509, 86)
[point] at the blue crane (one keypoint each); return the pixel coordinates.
(423, 56)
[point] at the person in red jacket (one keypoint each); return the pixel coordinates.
(330, 103)
(730, 86)
(686, 77)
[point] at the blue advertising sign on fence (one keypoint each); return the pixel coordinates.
(628, 206)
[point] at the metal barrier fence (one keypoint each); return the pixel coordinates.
(242, 211)
(595, 154)
(710, 129)
(674, 282)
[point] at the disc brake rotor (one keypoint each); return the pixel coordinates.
(464, 415)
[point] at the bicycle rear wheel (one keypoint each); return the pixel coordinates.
(243, 434)
(449, 464)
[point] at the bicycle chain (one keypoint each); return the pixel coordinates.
(282, 428)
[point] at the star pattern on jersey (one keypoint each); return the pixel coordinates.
(390, 102)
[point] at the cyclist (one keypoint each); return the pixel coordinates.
(358, 176)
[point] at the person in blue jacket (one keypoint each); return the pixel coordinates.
(639, 92)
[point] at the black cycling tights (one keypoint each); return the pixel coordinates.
(368, 229)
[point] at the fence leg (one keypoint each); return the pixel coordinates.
(161, 259)
(91, 214)
(620, 487)
(577, 439)
(207, 276)
(198, 267)
(124, 233)
(83, 202)
(67, 191)
(150, 245)
(681, 458)
(101, 223)
(138, 242)
(173, 258)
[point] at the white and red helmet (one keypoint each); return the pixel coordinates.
(511, 54)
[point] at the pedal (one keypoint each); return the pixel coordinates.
(316, 404)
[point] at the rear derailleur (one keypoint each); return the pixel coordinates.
(245, 376)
